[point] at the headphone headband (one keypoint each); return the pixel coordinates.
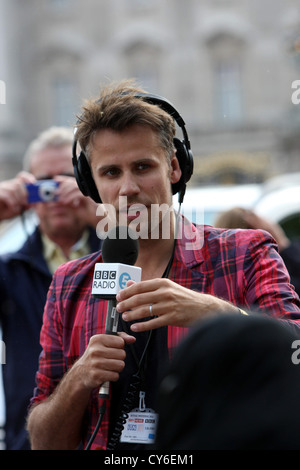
(82, 170)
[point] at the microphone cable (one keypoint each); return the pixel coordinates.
(131, 394)
(130, 397)
(102, 409)
(133, 388)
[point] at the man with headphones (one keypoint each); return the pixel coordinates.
(129, 153)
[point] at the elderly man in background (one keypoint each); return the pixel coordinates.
(66, 231)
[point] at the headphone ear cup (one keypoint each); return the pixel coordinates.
(186, 163)
(84, 178)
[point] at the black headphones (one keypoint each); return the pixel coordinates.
(82, 170)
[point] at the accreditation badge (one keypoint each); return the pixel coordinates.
(141, 424)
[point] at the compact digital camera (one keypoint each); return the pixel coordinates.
(42, 191)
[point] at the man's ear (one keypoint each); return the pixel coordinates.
(175, 171)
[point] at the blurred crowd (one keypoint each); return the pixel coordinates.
(239, 217)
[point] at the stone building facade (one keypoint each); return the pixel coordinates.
(228, 66)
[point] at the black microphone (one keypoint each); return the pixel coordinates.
(120, 246)
(119, 253)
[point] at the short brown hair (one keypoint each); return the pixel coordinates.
(117, 108)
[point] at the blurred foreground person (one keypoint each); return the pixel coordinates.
(234, 384)
(65, 231)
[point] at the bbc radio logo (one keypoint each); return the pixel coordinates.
(107, 279)
(105, 275)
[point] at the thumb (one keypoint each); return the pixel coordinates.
(128, 339)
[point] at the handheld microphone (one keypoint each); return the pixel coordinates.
(119, 253)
